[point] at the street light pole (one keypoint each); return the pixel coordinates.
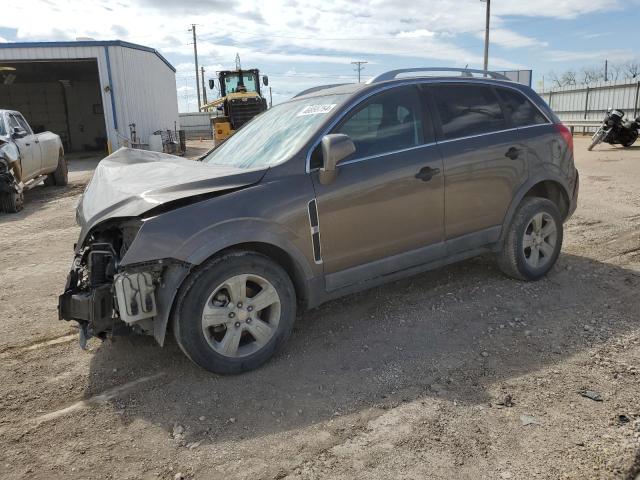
(486, 35)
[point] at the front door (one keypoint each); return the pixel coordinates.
(484, 162)
(29, 161)
(384, 211)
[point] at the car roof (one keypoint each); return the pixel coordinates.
(352, 89)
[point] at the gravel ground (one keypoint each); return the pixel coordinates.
(458, 373)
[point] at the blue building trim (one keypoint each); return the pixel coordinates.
(113, 100)
(88, 43)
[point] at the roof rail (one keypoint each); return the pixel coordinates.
(317, 89)
(465, 72)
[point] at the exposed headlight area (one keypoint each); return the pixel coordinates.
(99, 293)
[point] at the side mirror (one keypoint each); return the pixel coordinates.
(335, 148)
(212, 83)
(265, 80)
(18, 132)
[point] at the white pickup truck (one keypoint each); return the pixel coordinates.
(26, 159)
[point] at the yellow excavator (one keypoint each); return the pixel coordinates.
(240, 100)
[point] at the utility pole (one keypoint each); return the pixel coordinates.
(204, 90)
(195, 55)
(606, 70)
(486, 34)
(359, 68)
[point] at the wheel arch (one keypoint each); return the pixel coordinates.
(280, 256)
(549, 188)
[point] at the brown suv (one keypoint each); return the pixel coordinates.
(339, 189)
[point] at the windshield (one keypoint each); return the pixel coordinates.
(275, 135)
(231, 82)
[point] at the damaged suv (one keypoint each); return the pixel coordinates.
(339, 189)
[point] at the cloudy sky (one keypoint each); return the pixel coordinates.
(300, 44)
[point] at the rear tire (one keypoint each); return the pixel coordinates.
(534, 240)
(220, 303)
(634, 137)
(59, 176)
(11, 202)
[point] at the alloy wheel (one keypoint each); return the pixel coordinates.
(241, 315)
(540, 239)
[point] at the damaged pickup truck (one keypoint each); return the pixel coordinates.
(26, 158)
(337, 190)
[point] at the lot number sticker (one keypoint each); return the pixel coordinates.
(316, 109)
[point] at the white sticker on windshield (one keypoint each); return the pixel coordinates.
(316, 109)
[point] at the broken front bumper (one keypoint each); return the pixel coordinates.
(139, 300)
(99, 309)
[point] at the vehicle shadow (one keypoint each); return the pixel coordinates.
(454, 333)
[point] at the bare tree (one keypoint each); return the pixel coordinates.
(589, 75)
(569, 78)
(615, 71)
(556, 81)
(631, 69)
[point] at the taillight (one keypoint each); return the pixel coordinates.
(566, 135)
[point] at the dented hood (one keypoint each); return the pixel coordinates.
(130, 182)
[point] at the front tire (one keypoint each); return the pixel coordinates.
(60, 175)
(11, 202)
(235, 312)
(533, 241)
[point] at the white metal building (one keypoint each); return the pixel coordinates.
(90, 92)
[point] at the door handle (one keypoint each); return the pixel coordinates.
(513, 153)
(427, 173)
(27, 144)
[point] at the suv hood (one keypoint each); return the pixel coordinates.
(130, 182)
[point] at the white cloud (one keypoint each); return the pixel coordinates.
(511, 39)
(320, 38)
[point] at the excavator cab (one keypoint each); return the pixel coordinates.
(240, 100)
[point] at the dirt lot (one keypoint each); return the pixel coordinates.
(458, 373)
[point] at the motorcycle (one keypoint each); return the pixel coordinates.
(614, 130)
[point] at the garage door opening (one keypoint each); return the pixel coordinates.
(63, 97)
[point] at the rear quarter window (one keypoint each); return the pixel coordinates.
(519, 108)
(466, 110)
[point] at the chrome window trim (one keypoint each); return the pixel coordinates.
(484, 134)
(378, 155)
(346, 109)
(535, 125)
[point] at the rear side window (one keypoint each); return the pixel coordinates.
(385, 123)
(520, 109)
(3, 130)
(468, 110)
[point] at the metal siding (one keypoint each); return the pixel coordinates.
(145, 92)
(196, 124)
(144, 85)
(570, 103)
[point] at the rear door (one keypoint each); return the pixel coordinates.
(536, 131)
(484, 162)
(384, 211)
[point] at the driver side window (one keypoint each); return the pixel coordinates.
(385, 123)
